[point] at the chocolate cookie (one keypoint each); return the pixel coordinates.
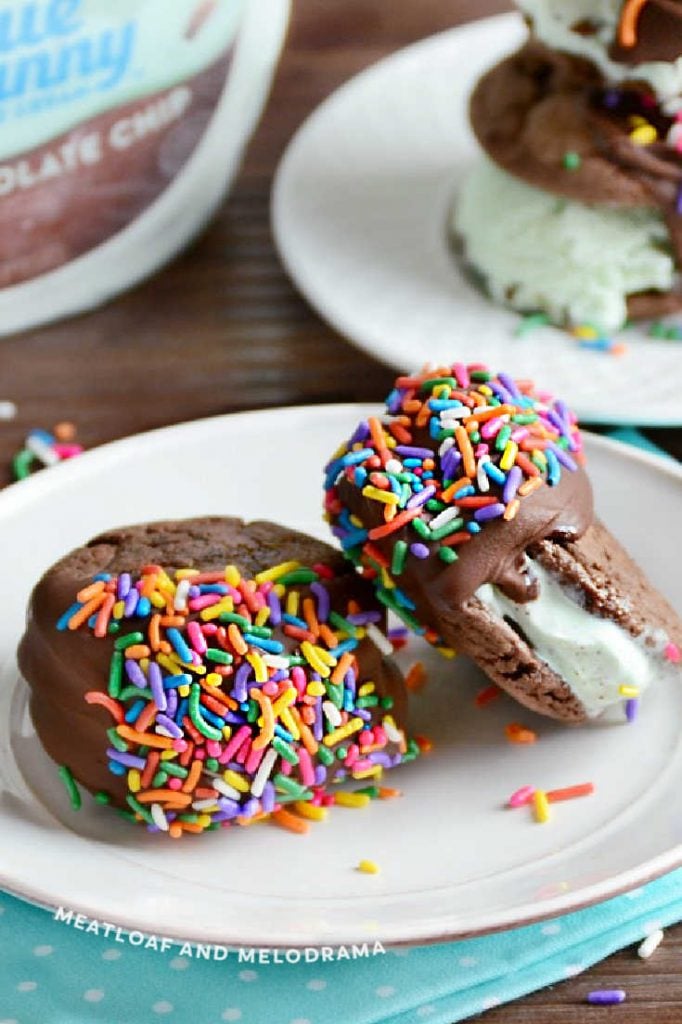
(208, 671)
(469, 507)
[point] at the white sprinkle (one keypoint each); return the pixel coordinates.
(378, 639)
(8, 410)
(444, 517)
(332, 713)
(393, 466)
(159, 818)
(227, 790)
(161, 730)
(263, 773)
(180, 599)
(457, 412)
(274, 661)
(394, 734)
(42, 451)
(447, 443)
(481, 475)
(650, 944)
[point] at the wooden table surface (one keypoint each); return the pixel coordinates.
(222, 329)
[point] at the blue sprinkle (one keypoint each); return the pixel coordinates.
(271, 646)
(360, 476)
(494, 473)
(144, 607)
(178, 641)
(473, 527)
(134, 711)
(63, 622)
(117, 769)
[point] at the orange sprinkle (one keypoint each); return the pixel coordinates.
(511, 509)
(103, 699)
(449, 492)
(154, 796)
(310, 615)
(516, 733)
(424, 744)
(345, 662)
(456, 538)
(487, 695)
(149, 770)
(389, 793)
(154, 635)
(149, 584)
(376, 555)
(290, 821)
(87, 593)
(173, 620)
(137, 651)
(146, 717)
(464, 445)
(307, 738)
(416, 676)
(148, 739)
(402, 519)
(629, 20)
(329, 637)
(84, 613)
(524, 463)
(530, 485)
(400, 433)
(236, 639)
(175, 830)
(570, 792)
(377, 432)
(477, 502)
(493, 412)
(103, 615)
(193, 777)
(268, 728)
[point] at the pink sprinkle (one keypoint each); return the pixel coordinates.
(270, 689)
(174, 783)
(461, 375)
(67, 451)
(481, 449)
(298, 678)
(253, 760)
(519, 434)
(205, 601)
(673, 653)
(213, 748)
(209, 629)
(379, 735)
(521, 797)
(366, 738)
(306, 767)
(352, 755)
(200, 753)
(196, 637)
(234, 744)
(244, 751)
(492, 427)
(180, 746)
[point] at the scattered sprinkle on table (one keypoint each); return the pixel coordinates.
(43, 449)
(555, 796)
(650, 944)
(541, 806)
(8, 410)
(369, 867)
(517, 733)
(606, 996)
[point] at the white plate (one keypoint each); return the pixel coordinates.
(453, 861)
(360, 206)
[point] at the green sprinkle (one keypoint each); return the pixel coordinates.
(367, 702)
(446, 529)
(371, 791)
(21, 464)
(212, 764)
(523, 418)
(342, 624)
(116, 740)
(502, 438)
(433, 505)
(285, 749)
(176, 770)
(475, 437)
(387, 703)
(420, 527)
(481, 376)
(390, 602)
(443, 434)
(261, 631)
(132, 692)
(205, 728)
(253, 714)
(128, 815)
(298, 576)
(399, 556)
(433, 382)
(140, 808)
(447, 555)
(531, 323)
(115, 674)
(239, 620)
(572, 161)
(341, 753)
(102, 798)
(113, 627)
(215, 654)
(160, 779)
(325, 755)
(71, 787)
(289, 786)
(127, 641)
(189, 816)
(335, 693)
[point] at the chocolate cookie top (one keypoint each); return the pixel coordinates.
(465, 471)
(208, 671)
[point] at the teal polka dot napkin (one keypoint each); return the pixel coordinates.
(51, 973)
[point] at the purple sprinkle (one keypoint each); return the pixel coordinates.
(129, 760)
(563, 457)
(449, 462)
(318, 726)
(362, 618)
(172, 703)
(514, 478)
(135, 674)
(419, 550)
(398, 633)
(322, 595)
(170, 726)
(350, 680)
(123, 586)
(678, 201)
(510, 384)
(607, 996)
(380, 757)
(422, 497)
(275, 608)
(501, 392)
(267, 800)
(362, 713)
(239, 690)
(482, 515)
(631, 709)
(251, 807)
(361, 432)
(131, 602)
(413, 453)
(156, 684)
(320, 775)
(193, 592)
(611, 99)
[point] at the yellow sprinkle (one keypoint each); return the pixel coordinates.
(236, 780)
(134, 780)
(118, 609)
(356, 521)
(204, 820)
(232, 575)
(366, 689)
(214, 679)
(628, 691)
(586, 333)
(541, 806)
(254, 659)
(390, 441)
(184, 574)
(227, 731)
(184, 690)
(386, 579)
(369, 867)
(367, 773)
(644, 135)
(351, 799)
(158, 600)
(262, 616)
(289, 723)
(144, 664)
(447, 652)
(169, 665)
(315, 689)
(484, 389)
(283, 701)
(354, 725)
(168, 755)
(308, 810)
(387, 497)
(165, 583)
(326, 656)
(539, 456)
(309, 652)
(226, 605)
(509, 455)
(273, 574)
(293, 598)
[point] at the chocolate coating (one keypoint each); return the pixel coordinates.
(659, 35)
(61, 667)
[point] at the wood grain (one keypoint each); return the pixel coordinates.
(222, 329)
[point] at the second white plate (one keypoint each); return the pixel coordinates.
(360, 209)
(453, 861)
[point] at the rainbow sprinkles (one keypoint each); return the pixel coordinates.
(233, 700)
